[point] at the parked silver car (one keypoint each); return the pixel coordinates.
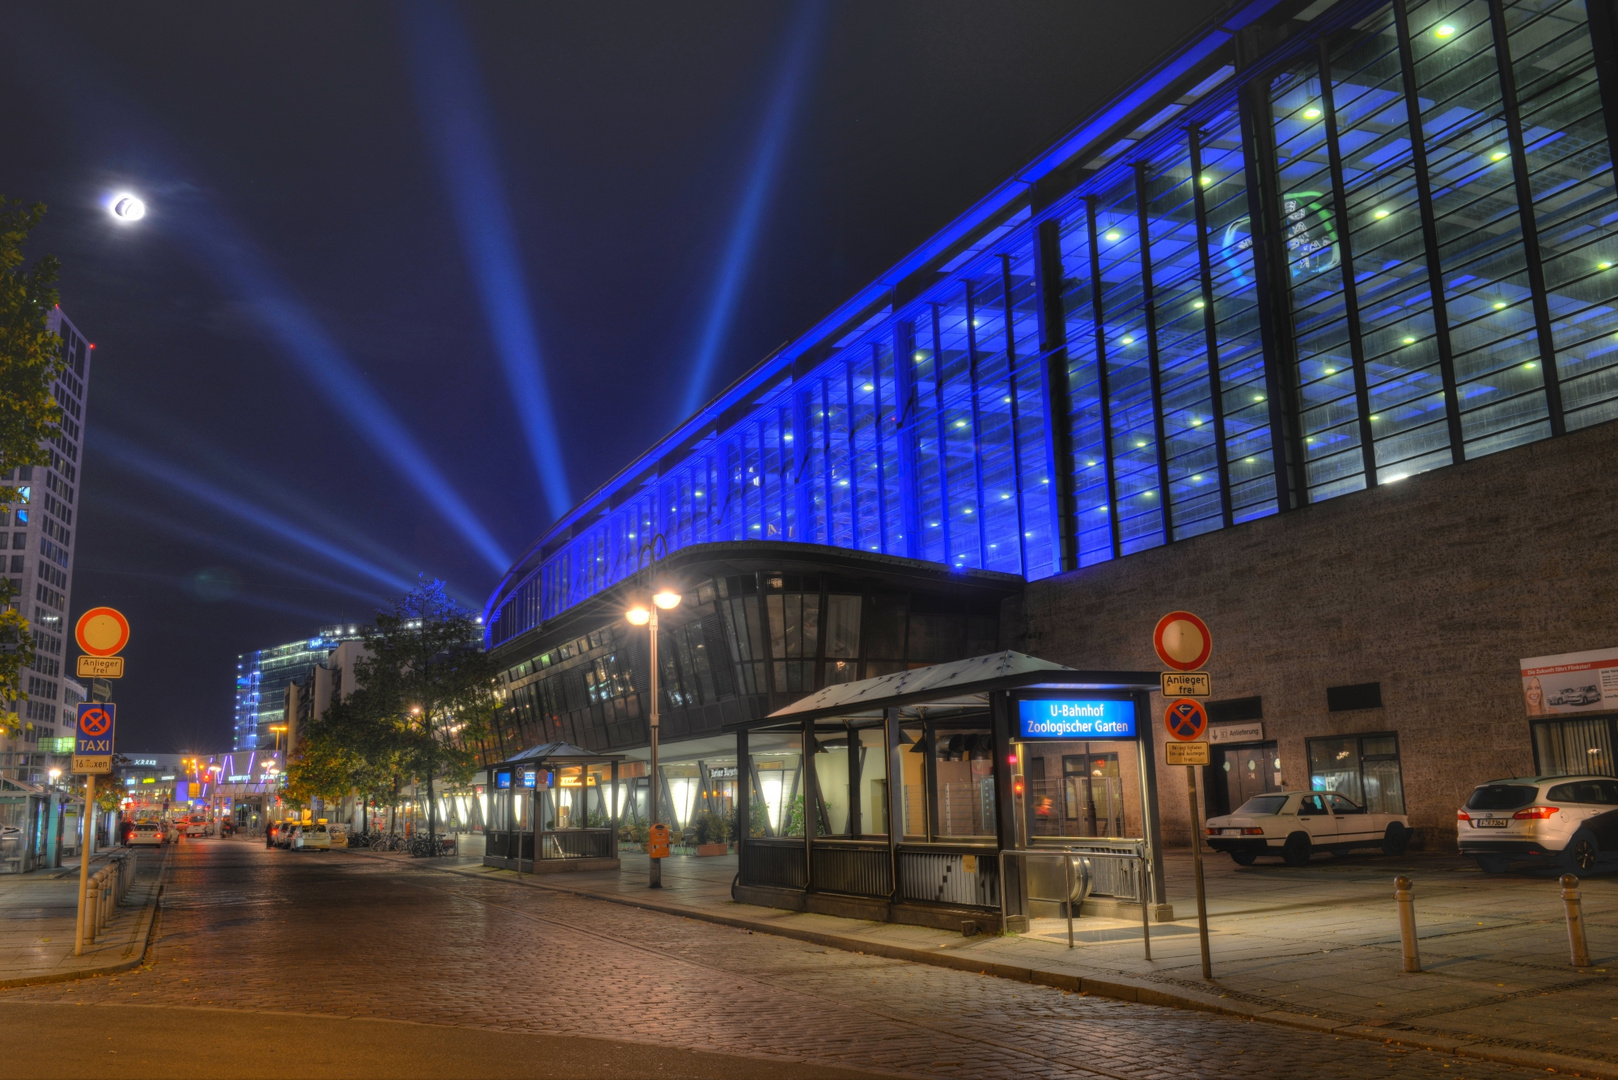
(1572, 820)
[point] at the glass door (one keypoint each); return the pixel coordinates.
(1244, 771)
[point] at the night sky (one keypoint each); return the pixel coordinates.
(371, 225)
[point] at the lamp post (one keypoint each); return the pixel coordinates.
(278, 729)
(644, 614)
(214, 773)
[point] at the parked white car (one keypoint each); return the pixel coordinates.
(1568, 819)
(146, 832)
(1295, 824)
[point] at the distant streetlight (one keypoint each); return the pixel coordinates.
(127, 209)
(278, 729)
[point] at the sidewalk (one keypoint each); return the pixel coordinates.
(37, 921)
(1316, 947)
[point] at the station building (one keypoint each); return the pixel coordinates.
(1310, 331)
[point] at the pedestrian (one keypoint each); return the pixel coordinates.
(269, 835)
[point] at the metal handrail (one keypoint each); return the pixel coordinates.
(1067, 855)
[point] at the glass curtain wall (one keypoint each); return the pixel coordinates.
(1430, 279)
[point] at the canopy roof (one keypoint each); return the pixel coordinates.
(961, 683)
(561, 752)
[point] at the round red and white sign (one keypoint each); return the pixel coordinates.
(1182, 641)
(102, 631)
(1185, 719)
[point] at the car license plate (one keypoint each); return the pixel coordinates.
(1489, 823)
(1231, 832)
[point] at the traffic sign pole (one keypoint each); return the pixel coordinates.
(86, 847)
(1196, 863)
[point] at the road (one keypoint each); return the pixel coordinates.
(273, 963)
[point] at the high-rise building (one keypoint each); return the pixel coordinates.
(262, 678)
(38, 533)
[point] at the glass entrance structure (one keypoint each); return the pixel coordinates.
(1321, 248)
(894, 798)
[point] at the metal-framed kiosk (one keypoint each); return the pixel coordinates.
(553, 808)
(892, 798)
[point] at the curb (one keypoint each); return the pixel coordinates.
(148, 914)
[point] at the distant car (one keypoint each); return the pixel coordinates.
(1570, 820)
(1293, 825)
(287, 834)
(148, 833)
(196, 827)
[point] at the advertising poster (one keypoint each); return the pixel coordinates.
(1580, 682)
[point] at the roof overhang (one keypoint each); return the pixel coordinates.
(959, 685)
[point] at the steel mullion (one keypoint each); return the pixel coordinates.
(1016, 414)
(1153, 364)
(1525, 212)
(1210, 325)
(1429, 228)
(977, 420)
(1103, 388)
(938, 427)
(1351, 302)
(881, 456)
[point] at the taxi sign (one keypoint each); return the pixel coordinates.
(1185, 719)
(1186, 684)
(1182, 641)
(93, 740)
(102, 631)
(1186, 753)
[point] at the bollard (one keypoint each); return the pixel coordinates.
(1575, 921)
(1407, 923)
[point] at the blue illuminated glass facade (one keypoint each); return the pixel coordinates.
(1322, 248)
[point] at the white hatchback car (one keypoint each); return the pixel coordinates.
(1568, 819)
(311, 838)
(1296, 824)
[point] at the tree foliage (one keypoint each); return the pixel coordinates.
(425, 695)
(30, 352)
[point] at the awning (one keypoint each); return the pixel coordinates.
(961, 683)
(560, 753)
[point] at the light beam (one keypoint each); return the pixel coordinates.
(454, 116)
(803, 33)
(128, 456)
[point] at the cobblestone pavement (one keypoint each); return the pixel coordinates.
(329, 934)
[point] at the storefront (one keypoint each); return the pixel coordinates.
(894, 798)
(553, 808)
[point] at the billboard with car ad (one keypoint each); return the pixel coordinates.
(1581, 682)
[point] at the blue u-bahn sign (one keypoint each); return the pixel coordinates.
(1075, 718)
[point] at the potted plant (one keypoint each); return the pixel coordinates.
(711, 829)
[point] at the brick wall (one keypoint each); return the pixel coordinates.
(1434, 586)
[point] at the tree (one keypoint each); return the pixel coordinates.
(31, 357)
(31, 360)
(426, 690)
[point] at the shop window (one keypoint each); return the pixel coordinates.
(842, 638)
(1574, 747)
(963, 798)
(873, 782)
(1362, 768)
(913, 777)
(831, 782)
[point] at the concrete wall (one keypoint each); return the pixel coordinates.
(1434, 586)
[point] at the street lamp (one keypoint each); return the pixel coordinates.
(278, 729)
(641, 613)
